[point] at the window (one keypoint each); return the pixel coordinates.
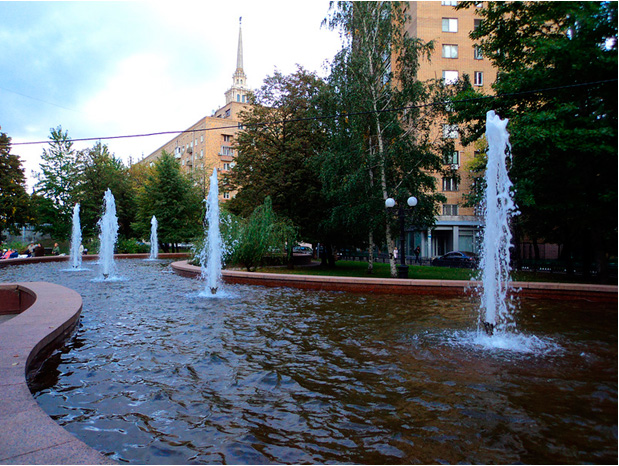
(226, 166)
(479, 78)
(227, 138)
(226, 195)
(450, 184)
(201, 153)
(477, 53)
(476, 23)
(450, 24)
(227, 114)
(452, 159)
(226, 150)
(450, 209)
(450, 51)
(449, 3)
(450, 131)
(450, 77)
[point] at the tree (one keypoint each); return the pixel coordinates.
(14, 200)
(385, 148)
(101, 170)
(259, 234)
(564, 139)
(276, 150)
(57, 183)
(174, 200)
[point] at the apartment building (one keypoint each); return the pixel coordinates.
(455, 55)
(207, 144)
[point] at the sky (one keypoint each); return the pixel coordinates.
(101, 69)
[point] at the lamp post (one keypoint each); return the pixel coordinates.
(390, 203)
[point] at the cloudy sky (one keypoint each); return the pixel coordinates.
(120, 68)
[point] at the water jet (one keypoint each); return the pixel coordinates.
(108, 225)
(154, 245)
(211, 254)
(76, 239)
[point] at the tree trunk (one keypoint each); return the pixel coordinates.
(371, 253)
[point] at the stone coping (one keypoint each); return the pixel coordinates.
(45, 315)
(603, 293)
(88, 257)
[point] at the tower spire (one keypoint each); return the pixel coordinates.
(239, 53)
(239, 91)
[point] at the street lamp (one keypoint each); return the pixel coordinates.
(389, 203)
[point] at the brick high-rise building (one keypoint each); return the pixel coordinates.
(455, 55)
(207, 144)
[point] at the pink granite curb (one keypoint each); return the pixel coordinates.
(604, 293)
(88, 257)
(45, 314)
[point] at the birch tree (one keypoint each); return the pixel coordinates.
(391, 150)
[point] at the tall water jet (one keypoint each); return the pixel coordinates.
(108, 225)
(211, 254)
(498, 208)
(154, 246)
(76, 239)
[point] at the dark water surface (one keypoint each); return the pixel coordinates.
(158, 374)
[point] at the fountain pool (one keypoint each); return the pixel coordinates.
(158, 374)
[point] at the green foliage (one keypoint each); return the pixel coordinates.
(173, 199)
(99, 171)
(276, 151)
(57, 181)
(14, 200)
(564, 141)
(261, 234)
(375, 153)
(131, 246)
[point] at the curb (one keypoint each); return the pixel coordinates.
(600, 293)
(46, 316)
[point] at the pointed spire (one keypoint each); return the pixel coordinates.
(238, 91)
(239, 53)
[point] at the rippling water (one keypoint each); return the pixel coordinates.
(158, 374)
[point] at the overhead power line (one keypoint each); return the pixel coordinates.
(337, 115)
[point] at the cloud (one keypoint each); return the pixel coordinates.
(117, 68)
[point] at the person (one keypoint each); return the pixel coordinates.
(30, 250)
(55, 250)
(395, 254)
(39, 251)
(417, 254)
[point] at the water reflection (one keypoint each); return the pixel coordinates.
(157, 374)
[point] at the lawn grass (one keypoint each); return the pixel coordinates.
(421, 272)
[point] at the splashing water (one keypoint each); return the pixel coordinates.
(211, 254)
(76, 239)
(108, 224)
(154, 246)
(498, 209)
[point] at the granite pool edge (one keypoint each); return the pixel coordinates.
(45, 315)
(566, 291)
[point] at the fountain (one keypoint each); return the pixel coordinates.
(76, 239)
(108, 224)
(294, 376)
(211, 254)
(154, 246)
(498, 208)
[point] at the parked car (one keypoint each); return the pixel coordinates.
(302, 250)
(461, 259)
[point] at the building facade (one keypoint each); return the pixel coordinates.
(454, 56)
(207, 144)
